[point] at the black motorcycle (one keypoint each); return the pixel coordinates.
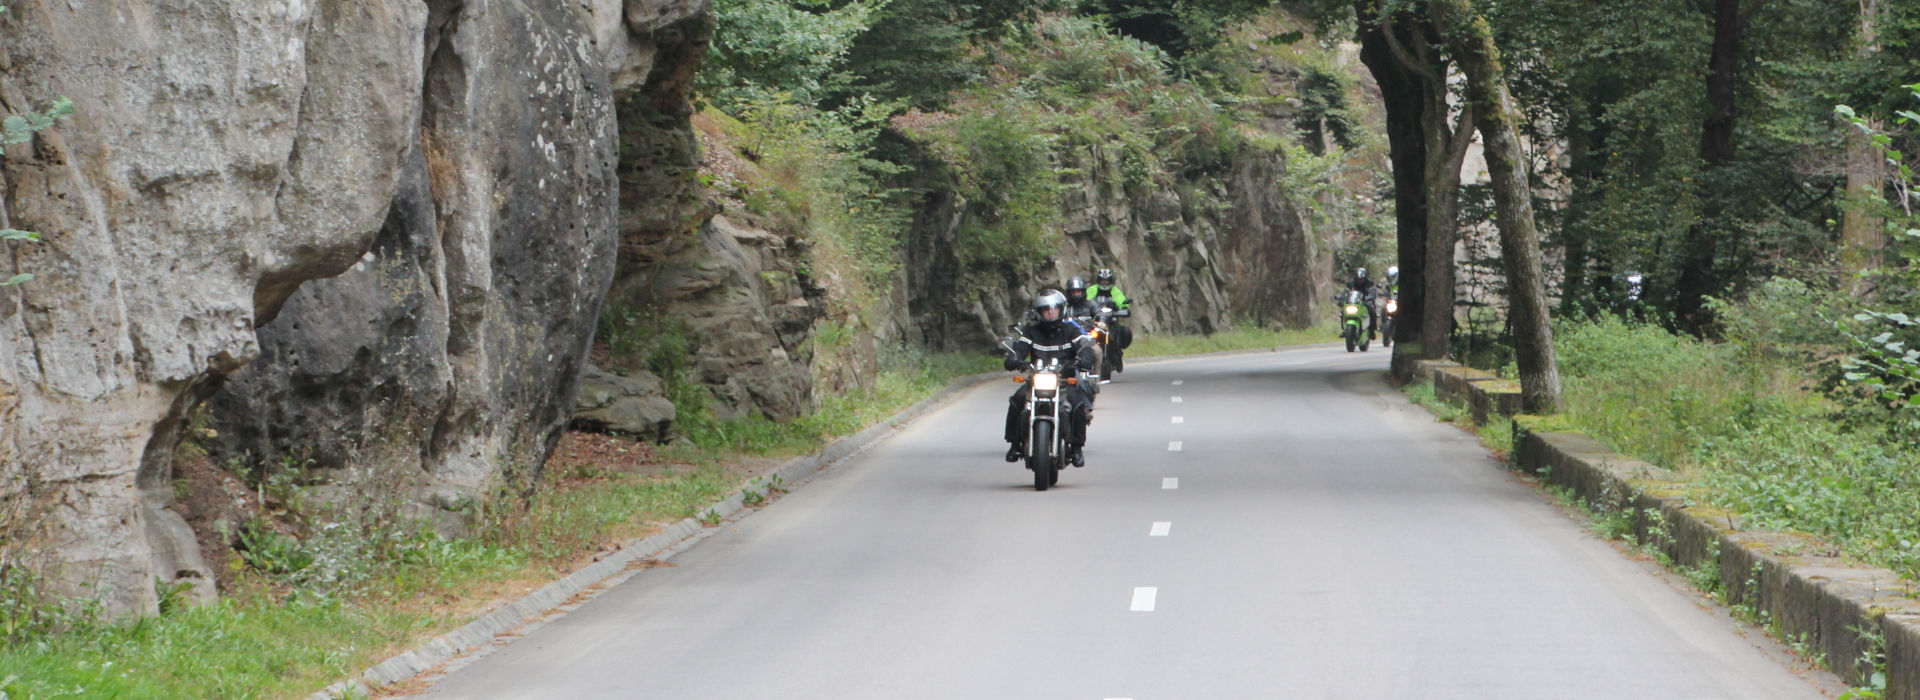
(1046, 409)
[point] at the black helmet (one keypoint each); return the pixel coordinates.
(1049, 299)
(1103, 277)
(1077, 288)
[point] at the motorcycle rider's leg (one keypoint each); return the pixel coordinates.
(1081, 414)
(1017, 424)
(1372, 322)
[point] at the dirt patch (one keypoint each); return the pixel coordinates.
(215, 504)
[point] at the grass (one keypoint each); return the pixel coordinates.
(273, 640)
(903, 381)
(1241, 337)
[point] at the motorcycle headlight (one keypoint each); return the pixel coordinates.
(1392, 306)
(1046, 381)
(1351, 309)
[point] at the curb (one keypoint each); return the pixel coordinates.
(564, 591)
(1796, 584)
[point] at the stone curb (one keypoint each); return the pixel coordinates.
(535, 605)
(1796, 583)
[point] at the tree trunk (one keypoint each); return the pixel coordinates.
(1404, 95)
(1446, 147)
(1697, 275)
(1443, 225)
(1861, 240)
(1473, 48)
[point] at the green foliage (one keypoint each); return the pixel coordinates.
(20, 127)
(1178, 27)
(1733, 418)
(1883, 366)
(763, 48)
(1007, 177)
(29, 614)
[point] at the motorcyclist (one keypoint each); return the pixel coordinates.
(1365, 287)
(1393, 281)
(1079, 303)
(1103, 286)
(1050, 337)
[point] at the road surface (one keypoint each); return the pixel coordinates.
(1272, 525)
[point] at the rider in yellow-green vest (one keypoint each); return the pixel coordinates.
(1103, 286)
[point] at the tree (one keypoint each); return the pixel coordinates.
(1698, 276)
(1471, 41)
(1445, 147)
(1406, 96)
(1861, 239)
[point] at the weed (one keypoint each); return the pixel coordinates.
(1871, 664)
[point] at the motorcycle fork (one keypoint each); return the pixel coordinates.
(1053, 416)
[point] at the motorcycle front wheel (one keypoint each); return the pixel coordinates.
(1386, 334)
(1045, 466)
(1348, 335)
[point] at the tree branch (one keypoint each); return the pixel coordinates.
(1406, 59)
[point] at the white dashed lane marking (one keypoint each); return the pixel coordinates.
(1170, 483)
(1179, 419)
(1176, 399)
(1178, 382)
(1173, 446)
(1160, 529)
(1143, 598)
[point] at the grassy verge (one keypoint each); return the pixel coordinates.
(1243, 337)
(1496, 435)
(1755, 433)
(286, 631)
(1745, 424)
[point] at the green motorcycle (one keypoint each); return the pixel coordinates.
(1353, 320)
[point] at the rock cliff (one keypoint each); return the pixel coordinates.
(448, 169)
(1194, 255)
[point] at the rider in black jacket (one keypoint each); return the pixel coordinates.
(1078, 305)
(1052, 336)
(1365, 287)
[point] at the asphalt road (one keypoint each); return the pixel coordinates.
(1275, 525)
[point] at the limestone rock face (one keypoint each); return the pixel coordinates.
(371, 237)
(223, 152)
(451, 349)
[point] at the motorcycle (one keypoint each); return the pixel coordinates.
(1046, 409)
(1353, 320)
(1102, 331)
(1386, 319)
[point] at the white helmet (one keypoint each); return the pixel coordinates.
(1393, 272)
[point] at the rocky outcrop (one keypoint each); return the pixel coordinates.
(447, 169)
(451, 349)
(634, 405)
(223, 153)
(1193, 255)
